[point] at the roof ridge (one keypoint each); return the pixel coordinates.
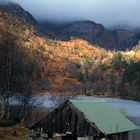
(88, 101)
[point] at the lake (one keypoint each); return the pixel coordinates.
(131, 108)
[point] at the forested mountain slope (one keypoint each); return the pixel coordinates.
(30, 61)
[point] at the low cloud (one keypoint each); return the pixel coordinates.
(107, 12)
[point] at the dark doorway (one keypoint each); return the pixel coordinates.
(69, 137)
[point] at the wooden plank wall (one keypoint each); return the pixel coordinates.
(66, 118)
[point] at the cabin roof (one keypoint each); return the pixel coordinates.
(107, 119)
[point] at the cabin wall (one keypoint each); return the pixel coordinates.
(67, 119)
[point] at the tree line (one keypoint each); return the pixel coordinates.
(119, 78)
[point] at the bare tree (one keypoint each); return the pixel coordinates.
(7, 43)
(27, 101)
(58, 98)
(63, 94)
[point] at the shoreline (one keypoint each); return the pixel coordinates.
(78, 95)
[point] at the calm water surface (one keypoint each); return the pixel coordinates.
(131, 108)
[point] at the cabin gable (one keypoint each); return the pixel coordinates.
(74, 119)
(67, 119)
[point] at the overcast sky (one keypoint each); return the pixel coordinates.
(107, 12)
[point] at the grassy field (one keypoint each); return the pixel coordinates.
(13, 133)
(10, 130)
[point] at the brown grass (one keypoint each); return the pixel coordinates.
(13, 133)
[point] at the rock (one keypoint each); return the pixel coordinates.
(98, 35)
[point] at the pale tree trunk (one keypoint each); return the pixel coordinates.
(2, 111)
(23, 118)
(23, 114)
(5, 111)
(3, 108)
(8, 94)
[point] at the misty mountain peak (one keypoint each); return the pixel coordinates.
(97, 34)
(16, 10)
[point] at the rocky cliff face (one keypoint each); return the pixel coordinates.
(125, 39)
(85, 29)
(98, 35)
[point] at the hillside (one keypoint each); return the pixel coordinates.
(57, 54)
(73, 66)
(96, 34)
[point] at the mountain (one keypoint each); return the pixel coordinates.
(70, 66)
(16, 10)
(84, 29)
(42, 60)
(98, 35)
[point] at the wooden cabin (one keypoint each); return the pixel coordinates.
(90, 120)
